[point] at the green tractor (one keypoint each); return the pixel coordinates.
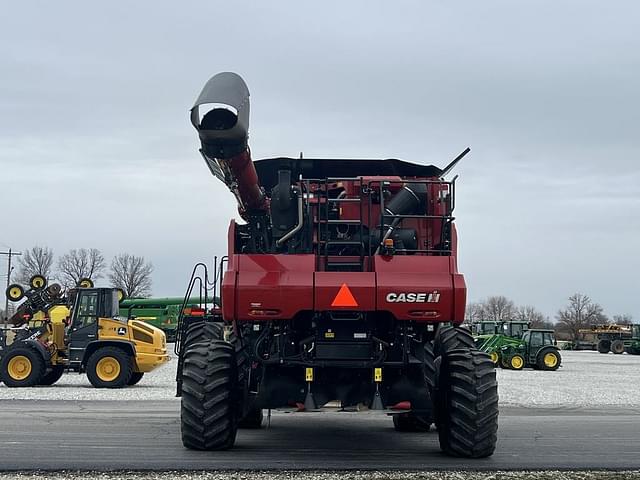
(536, 349)
(632, 345)
(491, 336)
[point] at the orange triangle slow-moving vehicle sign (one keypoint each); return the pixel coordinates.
(344, 298)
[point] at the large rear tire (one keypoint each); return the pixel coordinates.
(617, 347)
(203, 332)
(453, 338)
(53, 375)
(22, 366)
(548, 359)
(604, 345)
(467, 404)
(208, 413)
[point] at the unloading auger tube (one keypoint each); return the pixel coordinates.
(224, 131)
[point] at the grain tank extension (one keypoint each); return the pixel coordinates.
(340, 287)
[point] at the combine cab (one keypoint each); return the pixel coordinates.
(341, 287)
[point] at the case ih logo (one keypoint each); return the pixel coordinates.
(411, 297)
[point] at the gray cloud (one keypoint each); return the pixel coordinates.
(95, 143)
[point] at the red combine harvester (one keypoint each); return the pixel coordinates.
(341, 288)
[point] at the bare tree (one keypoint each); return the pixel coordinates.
(535, 318)
(78, 264)
(473, 312)
(34, 261)
(580, 313)
(132, 274)
(498, 308)
(624, 319)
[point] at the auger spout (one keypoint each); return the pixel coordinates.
(224, 130)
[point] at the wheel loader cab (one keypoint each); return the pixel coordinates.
(89, 306)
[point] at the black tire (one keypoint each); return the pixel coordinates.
(208, 412)
(604, 345)
(253, 419)
(125, 363)
(504, 362)
(467, 404)
(543, 365)
(617, 347)
(409, 422)
(53, 375)
(452, 338)
(135, 378)
(202, 332)
(11, 366)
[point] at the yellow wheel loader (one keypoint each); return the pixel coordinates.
(79, 332)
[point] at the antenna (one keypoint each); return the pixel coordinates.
(454, 162)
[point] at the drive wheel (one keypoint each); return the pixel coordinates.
(208, 412)
(53, 375)
(22, 367)
(604, 346)
(253, 419)
(549, 359)
(516, 362)
(452, 338)
(617, 347)
(467, 404)
(135, 378)
(202, 332)
(109, 367)
(409, 422)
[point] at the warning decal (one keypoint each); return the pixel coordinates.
(344, 298)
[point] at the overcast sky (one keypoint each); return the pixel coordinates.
(96, 148)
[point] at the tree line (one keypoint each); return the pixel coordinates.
(580, 312)
(131, 273)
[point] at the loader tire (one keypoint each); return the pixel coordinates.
(467, 404)
(617, 347)
(109, 367)
(208, 412)
(604, 346)
(135, 378)
(453, 338)
(253, 419)
(53, 375)
(409, 422)
(22, 366)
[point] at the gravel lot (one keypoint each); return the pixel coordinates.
(585, 379)
(347, 475)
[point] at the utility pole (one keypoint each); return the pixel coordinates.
(9, 254)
